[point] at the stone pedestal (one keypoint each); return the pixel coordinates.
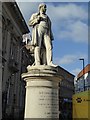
(41, 92)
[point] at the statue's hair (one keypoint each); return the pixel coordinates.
(41, 5)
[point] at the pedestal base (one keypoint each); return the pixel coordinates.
(41, 92)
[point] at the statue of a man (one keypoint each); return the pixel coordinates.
(42, 36)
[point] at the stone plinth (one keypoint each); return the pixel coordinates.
(41, 92)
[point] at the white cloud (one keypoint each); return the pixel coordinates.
(69, 59)
(70, 62)
(67, 19)
(69, 22)
(77, 31)
(76, 71)
(53, 0)
(57, 13)
(31, 0)
(67, 11)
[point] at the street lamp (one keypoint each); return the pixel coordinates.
(83, 71)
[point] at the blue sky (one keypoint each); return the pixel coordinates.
(70, 29)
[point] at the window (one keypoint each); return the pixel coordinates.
(4, 38)
(14, 49)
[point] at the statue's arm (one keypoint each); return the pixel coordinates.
(33, 20)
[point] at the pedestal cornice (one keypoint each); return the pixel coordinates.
(42, 71)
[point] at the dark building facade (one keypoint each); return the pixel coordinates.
(15, 59)
(66, 91)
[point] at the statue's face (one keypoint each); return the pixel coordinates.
(43, 9)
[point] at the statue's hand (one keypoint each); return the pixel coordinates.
(39, 18)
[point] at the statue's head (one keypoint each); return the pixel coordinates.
(42, 7)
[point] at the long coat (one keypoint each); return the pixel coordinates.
(33, 23)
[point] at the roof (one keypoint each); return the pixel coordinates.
(85, 70)
(17, 15)
(66, 71)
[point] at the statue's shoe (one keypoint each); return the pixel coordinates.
(51, 64)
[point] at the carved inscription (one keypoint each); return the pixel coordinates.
(48, 100)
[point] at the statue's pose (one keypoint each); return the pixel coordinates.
(42, 36)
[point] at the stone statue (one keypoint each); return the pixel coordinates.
(42, 37)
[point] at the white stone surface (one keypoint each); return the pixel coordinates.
(41, 101)
(41, 92)
(42, 36)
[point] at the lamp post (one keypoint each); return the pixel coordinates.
(83, 71)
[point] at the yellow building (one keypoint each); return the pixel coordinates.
(81, 99)
(81, 105)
